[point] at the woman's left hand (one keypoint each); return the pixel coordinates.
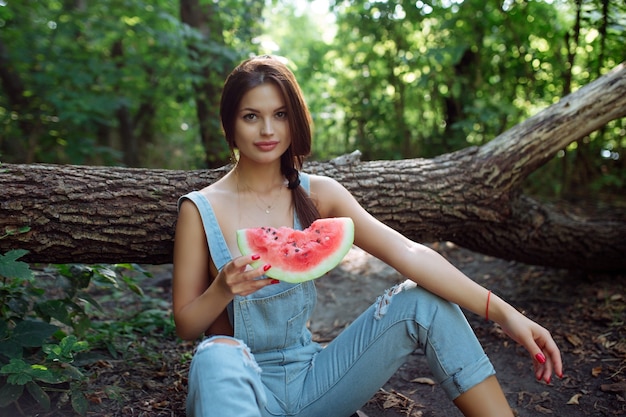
(538, 342)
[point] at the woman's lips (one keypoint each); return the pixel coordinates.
(266, 146)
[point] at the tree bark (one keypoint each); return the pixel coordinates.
(204, 18)
(471, 197)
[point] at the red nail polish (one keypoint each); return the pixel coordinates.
(540, 358)
(266, 267)
(256, 257)
(548, 380)
(274, 281)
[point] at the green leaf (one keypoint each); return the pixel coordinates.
(10, 393)
(56, 309)
(19, 379)
(82, 325)
(88, 298)
(64, 351)
(106, 274)
(39, 395)
(31, 333)
(79, 402)
(132, 285)
(16, 366)
(4, 329)
(11, 268)
(11, 349)
(72, 372)
(20, 373)
(44, 374)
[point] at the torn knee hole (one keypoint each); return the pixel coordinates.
(226, 341)
(383, 301)
(231, 342)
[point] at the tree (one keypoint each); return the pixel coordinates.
(472, 197)
(212, 56)
(88, 81)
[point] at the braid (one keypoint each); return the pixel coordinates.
(303, 204)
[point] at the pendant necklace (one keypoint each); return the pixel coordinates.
(267, 208)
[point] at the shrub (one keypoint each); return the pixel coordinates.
(45, 323)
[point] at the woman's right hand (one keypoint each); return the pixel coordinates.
(238, 278)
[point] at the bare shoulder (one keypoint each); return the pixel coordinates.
(324, 184)
(219, 193)
(330, 196)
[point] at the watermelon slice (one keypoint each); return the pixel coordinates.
(299, 255)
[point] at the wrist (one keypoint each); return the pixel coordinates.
(496, 309)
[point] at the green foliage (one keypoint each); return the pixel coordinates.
(35, 354)
(50, 318)
(126, 82)
(417, 79)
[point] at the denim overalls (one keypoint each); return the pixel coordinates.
(277, 370)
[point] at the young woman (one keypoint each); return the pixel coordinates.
(258, 358)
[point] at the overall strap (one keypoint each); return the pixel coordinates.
(217, 244)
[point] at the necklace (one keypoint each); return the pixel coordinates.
(265, 206)
(268, 207)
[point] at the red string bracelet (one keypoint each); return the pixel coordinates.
(487, 308)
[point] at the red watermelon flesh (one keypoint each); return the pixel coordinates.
(299, 255)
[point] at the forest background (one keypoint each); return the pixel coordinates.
(136, 83)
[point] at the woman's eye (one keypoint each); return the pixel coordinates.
(250, 116)
(281, 114)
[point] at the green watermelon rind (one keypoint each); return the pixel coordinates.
(319, 270)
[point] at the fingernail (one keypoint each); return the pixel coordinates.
(540, 358)
(256, 257)
(274, 281)
(266, 267)
(548, 380)
(560, 375)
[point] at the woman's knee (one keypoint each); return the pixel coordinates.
(408, 297)
(224, 352)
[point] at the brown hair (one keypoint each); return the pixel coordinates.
(252, 73)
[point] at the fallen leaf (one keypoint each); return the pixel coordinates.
(424, 380)
(543, 410)
(574, 399)
(391, 402)
(573, 339)
(596, 371)
(616, 388)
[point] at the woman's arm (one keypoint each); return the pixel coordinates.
(433, 272)
(196, 304)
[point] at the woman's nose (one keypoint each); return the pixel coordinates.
(267, 128)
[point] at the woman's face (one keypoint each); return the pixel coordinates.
(262, 124)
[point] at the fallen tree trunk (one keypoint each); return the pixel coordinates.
(471, 197)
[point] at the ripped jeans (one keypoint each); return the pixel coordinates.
(311, 381)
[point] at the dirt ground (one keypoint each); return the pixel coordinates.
(586, 314)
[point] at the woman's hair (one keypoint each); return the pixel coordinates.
(266, 69)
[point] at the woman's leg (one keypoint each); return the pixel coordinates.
(364, 356)
(484, 400)
(224, 380)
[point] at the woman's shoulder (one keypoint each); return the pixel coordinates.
(323, 183)
(328, 194)
(217, 195)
